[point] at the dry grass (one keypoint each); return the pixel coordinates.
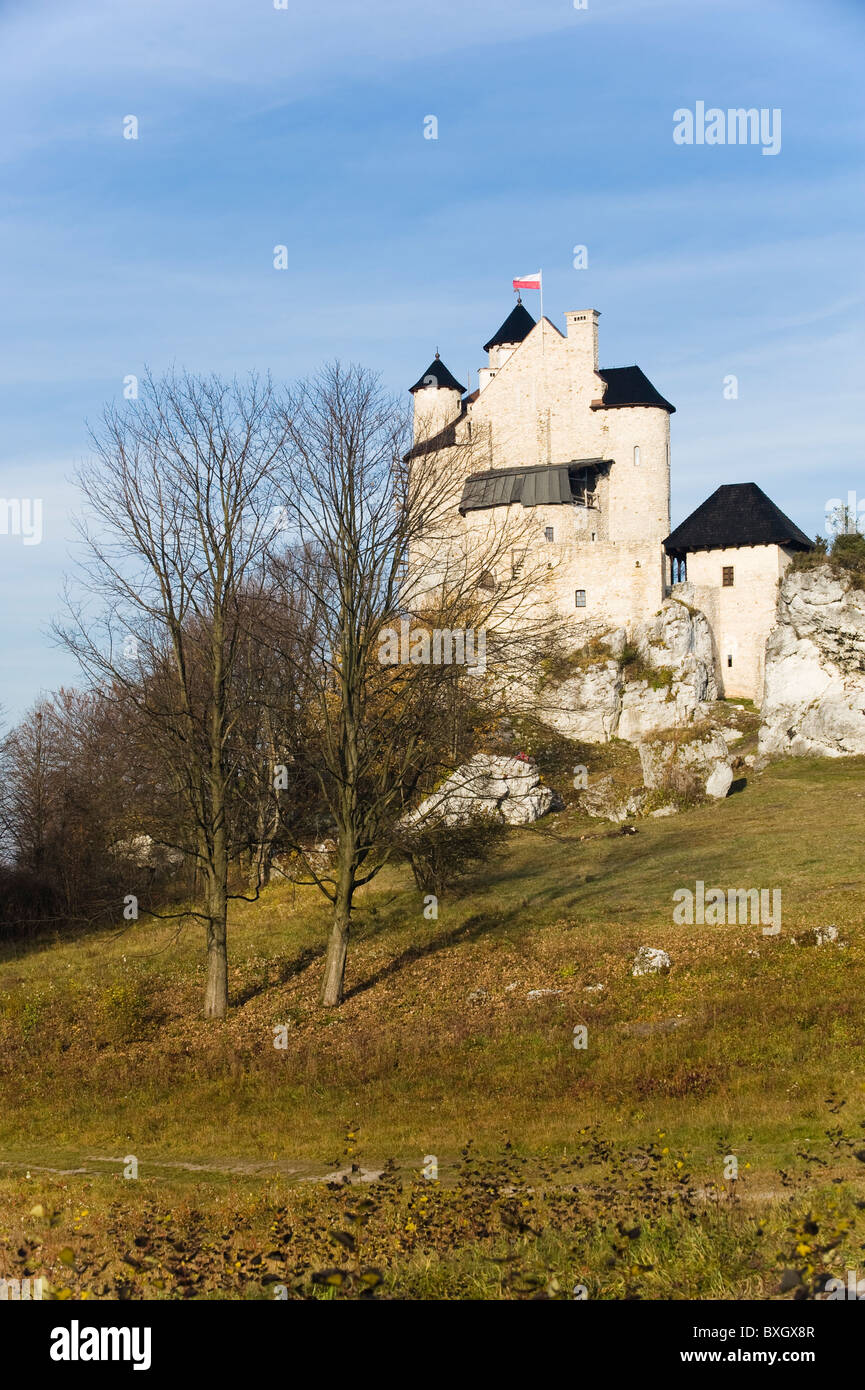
(103, 1052)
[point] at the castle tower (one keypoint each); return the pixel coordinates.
(437, 400)
(515, 329)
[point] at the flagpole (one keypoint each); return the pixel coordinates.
(541, 278)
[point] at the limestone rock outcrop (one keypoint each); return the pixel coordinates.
(488, 785)
(675, 685)
(681, 765)
(607, 799)
(814, 700)
(144, 852)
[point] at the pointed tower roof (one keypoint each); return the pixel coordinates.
(518, 325)
(629, 386)
(736, 514)
(441, 375)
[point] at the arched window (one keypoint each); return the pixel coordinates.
(487, 582)
(637, 455)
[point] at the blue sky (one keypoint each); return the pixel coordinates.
(305, 127)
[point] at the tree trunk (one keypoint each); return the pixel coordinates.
(216, 987)
(337, 946)
(334, 970)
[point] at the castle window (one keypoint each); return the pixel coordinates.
(727, 576)
(487, 582)
(637, 455)
(729, 659)
(579, 598)
(549, 533)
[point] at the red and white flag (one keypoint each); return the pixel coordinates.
(528, 282)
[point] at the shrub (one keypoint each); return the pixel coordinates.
(123, 1010)
(439, 855)
(848, 551)
(560, 662)
(845, 559)
(635, 668)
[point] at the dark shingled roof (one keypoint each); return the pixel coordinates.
(736, 514)
(629, 386)
(518, 325)
(441, 375)
(533, 486)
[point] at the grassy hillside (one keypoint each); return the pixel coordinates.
(751, 1046)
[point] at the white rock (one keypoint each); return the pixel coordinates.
(587, 706)
(650, 960)
(814, 700)
(606, 799)
(144, 852)
(817, 936)
(598, 703)
(615, 641)
(527, 806)
(706, 760)
(540, 993)
(719, 781)
(488, 785)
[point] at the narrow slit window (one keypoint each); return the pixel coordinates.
(729, 658)
(637, 455)
(579, 598)
(727, 576)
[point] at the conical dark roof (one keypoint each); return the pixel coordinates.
(736, 514)
(630, 386)
(518, 325)
(441, 375)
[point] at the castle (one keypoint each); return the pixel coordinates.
(583, 453)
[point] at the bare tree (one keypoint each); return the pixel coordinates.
(393, 564)
(179, 518)
(64, 799)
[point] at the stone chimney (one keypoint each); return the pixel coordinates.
(582, 326)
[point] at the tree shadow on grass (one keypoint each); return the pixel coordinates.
(286, 970)
(471, 930)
